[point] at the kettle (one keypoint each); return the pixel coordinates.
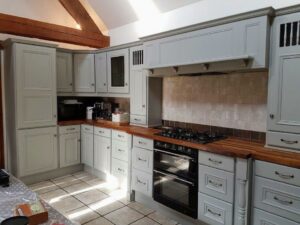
(89, 112)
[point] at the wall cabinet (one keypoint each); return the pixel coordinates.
(102, 154)
(284, 79)
(37, 150)
(87, 145)
(35, 77)
(118, 71)
(64, 71)
(84, 73)
(69, 145)
(101, 72)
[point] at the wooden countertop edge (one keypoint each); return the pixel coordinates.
(229, 147)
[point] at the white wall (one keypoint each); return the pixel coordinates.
(198, 12)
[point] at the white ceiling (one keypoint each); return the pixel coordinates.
(116, 13)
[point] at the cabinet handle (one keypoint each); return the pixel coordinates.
(108, 147)
(119, 169)
(87, 129)
(284, 176)
(71, 128)
(143, 160)
(55, 135)
(121, 150)
(214, 213)
(143, 183)
(79, 140)
(144, 106)
(215, 183)
(271, 116)
(120, 136)
(104, 84)
(215, 161)
(289, 142)
(126, 84)
(283, 202)
(142, 143)
(71, 84)
(54, 116)
(137, 120)
(93, 85)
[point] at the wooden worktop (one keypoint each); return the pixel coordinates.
(230, 147)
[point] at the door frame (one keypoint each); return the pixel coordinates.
(3, 153)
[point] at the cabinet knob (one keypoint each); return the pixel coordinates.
(104, 84)
(143, 106)
(126, 84)
(55, 135)
(71, 84)
(272, 116)
(54, 116)
(108, 147)
(93, 85)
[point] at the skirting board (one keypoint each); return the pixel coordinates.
(51, 174)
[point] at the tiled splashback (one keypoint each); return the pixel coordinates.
(235, 100)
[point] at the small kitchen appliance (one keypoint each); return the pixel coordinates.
(71, 109)
(4, 178)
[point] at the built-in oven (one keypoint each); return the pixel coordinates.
(175, 177)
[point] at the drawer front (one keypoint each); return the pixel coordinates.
(142, 142)
(142, 159)
(102, 131)
(217, 183)
(283, 140)
(216, 161)
(87, 128)
(120, 150)
(142, 182)
(119, 135)
(277, 172)
(119, 167)
(69, 129)
(278, 198)
(135, 119)
(213, 211)
(263, 218)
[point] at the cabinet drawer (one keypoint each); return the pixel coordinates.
(142, 142)
(119, 135)
(142, 182)
(119, 167)
(216, 161)
(278, 198)
(283, 140)
(263, 218)
(69, 129)
(217, 183)
(102, 131)
(277, 172)
(142, 159)
(87, 128)
(213, 211)
(136, 119)
(120, 150)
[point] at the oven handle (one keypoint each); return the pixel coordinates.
(176, 178)
(174, 154)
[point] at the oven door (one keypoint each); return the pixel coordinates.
(179, 165)
(175, 193)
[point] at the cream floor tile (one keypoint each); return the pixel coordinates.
(54, 196)
(162, 219)
(66, 181)
(82, 215)
(145, 221)
(67, 204)
(106, 206)
(43, 187)
(84, 176)
(78, 188)
(124, 216)
(100, 221)
(140, 208)
(91, 196)
(97, 183)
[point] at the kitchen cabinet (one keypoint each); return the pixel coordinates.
(101, 72)
(84, 72)
(283, 123)
(87, 145)
(36, 150)
(35, 77)
(102, 153)
(64, 71)
(69, 145)
(118, 71)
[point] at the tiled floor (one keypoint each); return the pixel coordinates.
(88, 200)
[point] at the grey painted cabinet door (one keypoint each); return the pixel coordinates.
(37, 150)
(138, 92)
(101, 72)
(87, 148)
(84, 72)
(102, 154)
(284, 78)
(69, 149)
(64, 71)
(35, 70)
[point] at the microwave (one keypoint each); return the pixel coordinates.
(71, 110)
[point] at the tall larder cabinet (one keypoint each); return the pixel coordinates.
(31, 109)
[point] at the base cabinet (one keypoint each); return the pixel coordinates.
(87, 145)
(263, 218)
(37, 150)
(102, 154)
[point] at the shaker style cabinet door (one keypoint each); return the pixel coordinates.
(84, 73)
(36, 150)
(138, 90)
(101, 72)
(87, 148)
(118, 71)
(69, 149)
(64, 71)
(102, 154)
(35, 70)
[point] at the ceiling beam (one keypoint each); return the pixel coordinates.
(35, 29)
(80, 15)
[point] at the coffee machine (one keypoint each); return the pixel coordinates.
(104, 110)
